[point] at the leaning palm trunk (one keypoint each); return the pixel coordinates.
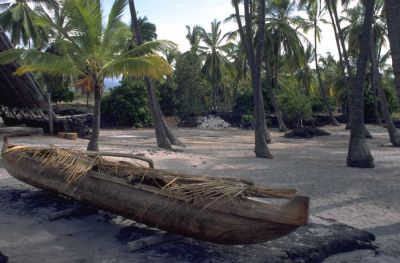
(359, 154)
(342, 65)
(270, 87)
(164, 135)
(322, 86)
(394, 133)
(281, 123)
(346, 60)
(254, 56)
(392, 8)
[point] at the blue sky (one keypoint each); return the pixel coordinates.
(171, 16)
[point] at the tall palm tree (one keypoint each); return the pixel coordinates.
(18, 18)
(194, 36)
(305, 75)
(97, 51)
(392, 9)
(394, 133)
(353, 33)
(343, 57)
(164, 135)
(315, 14)
(284, 42)
(215, 50)
(254, 54)
(359, 154)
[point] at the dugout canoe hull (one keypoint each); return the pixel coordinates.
(250, 222)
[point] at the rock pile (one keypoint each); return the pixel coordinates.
(212, 122)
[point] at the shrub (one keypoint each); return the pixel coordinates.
(126, 106)
(61, 94)
(295, 106)
(244, 104)
(192, 90)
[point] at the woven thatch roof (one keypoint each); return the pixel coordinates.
(20, 97)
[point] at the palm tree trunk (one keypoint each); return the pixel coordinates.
(164, 135)
(394, 133)
(94, 137)
(321, 84)
(342, 65)
(162, 139)
(392, 8)
(374, 87)
(50, 111)
(254, 61)
(270, 87)
(346, 60)
(359, 154)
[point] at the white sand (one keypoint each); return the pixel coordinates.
(363, 198)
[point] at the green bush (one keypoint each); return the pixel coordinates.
(61, 94)
(244, 104)
(192, 90)
(247, 120)
(126, 106)
(317, 104)
(295, 106)
(168, 102)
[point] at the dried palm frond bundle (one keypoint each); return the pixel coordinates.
(192, 189)
(74, 164)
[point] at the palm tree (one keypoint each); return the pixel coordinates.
(315, 14)
(392, 9)
(283, 41)
(353, 33)
(18, 18)
(93, 53)
(254, 54)
(394, 133)
(215, 50)
(164, 135)
(359, 154)
(305, 75)
(194, 36)
(343, 57)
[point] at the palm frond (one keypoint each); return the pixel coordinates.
(38, 61)
(86, 21)
(151, 47)
(147, 66)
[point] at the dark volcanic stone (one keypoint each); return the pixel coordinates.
(310, 244)
(306, 133)
(3, 258)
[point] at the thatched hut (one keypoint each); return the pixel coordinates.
(23, 102)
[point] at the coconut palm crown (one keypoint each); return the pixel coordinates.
(93, 50)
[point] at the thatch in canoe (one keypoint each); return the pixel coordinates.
(220, 210)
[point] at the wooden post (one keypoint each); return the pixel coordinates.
(51, 129)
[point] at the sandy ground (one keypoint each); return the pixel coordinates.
(363, 198)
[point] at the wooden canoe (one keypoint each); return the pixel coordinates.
(246, 221)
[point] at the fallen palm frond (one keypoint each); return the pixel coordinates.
(71, 162)
(193, 189)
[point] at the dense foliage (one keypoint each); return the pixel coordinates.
(126, 106)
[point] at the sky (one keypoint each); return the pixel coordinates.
(172, 16)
